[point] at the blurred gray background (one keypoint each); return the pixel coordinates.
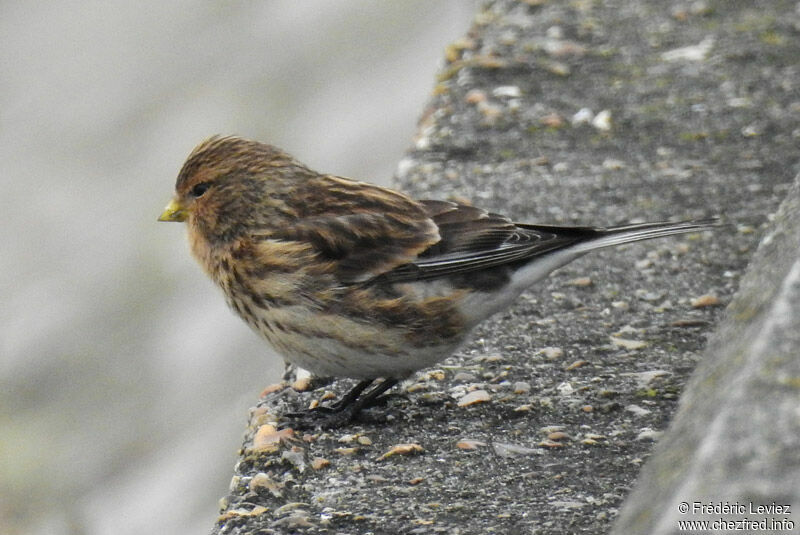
(124, 379)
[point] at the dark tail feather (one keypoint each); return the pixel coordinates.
(630, 233)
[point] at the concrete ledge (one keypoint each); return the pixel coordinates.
(567, 113)
(732, 452)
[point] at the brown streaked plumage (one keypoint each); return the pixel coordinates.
(349, 279)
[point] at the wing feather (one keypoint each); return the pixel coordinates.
(474, 239)
(361, 231)
(368, 233)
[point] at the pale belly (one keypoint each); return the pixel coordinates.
(330, 345)
(329, 358)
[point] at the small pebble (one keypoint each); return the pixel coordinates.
(289, 507)
(558, 67)
(255, 511)
(551, 353)
(649, 435)
(567, 504)
(707, 300)
(318, 463)
(613, 165)
(345, 439)
(577, 364)
(302, 384)
(453, 51)
(469, 444)
(402, 449)
(626, 343)
(272, 388)
(565, 389)
(555, 32)
(602, 121)
(474, 96)
(739, 102)
(580, 282)
(264, 481)
(637, 410)
(464, 377)
(680, 13)
(491, 113)
(432, 375)
(547, 429)
(595, 436)
(293, 522)
(627, 329)
(295, 457)
(476, 396)
(553, 120)
(550, 444)
(644, 379)
(522, 387)
(583, 116)
(699, 7)
(267, 439)
(697, 52)
(509, 91)
(510, 450)
(260, 480)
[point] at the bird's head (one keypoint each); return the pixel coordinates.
(230, 185)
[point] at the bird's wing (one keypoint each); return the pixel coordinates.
(360, 231)
(365, 233)
(473, 239)
(370, 238)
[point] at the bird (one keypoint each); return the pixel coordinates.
(349, 279)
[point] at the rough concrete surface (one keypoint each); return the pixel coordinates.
(581, 112)
(735, 436)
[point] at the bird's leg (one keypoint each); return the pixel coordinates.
(347, 408)
(367, 399)
(350, 397)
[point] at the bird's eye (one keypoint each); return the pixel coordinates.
(199, 189)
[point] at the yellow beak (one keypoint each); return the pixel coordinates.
(173, 212)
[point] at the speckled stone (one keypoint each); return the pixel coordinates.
(734, 439)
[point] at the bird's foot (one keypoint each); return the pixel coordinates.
(343, 411)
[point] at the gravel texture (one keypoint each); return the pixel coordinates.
(735, 436)
(567, 113)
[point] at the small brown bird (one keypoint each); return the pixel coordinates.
(348, 279)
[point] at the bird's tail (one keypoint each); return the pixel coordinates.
(608, 237)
